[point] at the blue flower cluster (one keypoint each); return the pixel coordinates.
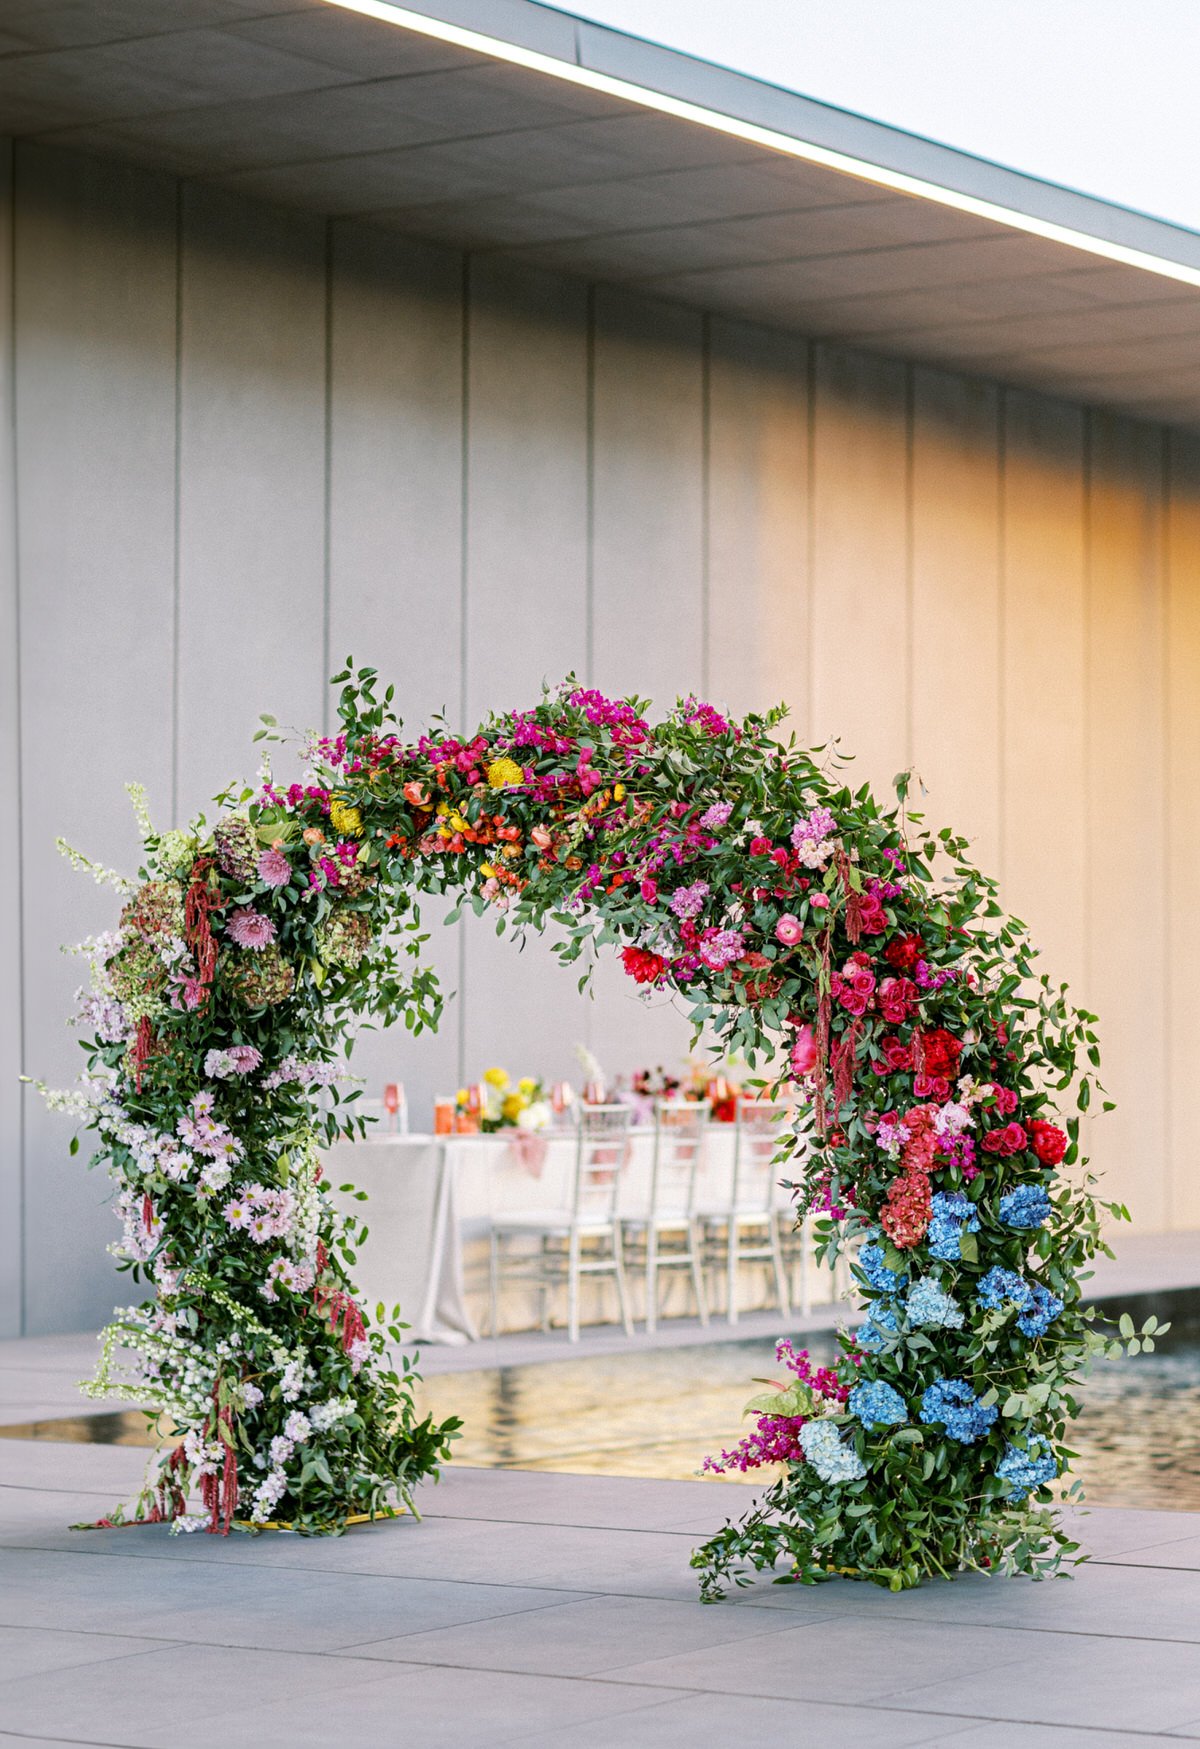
(830, 1458)
(877, 1405)
(953, 1215)
(1029, 1469)
(961, 1413)
(1027, 1206)
(929, 1305)
(1039, 1307)
(869, 1334)
(881, 1278)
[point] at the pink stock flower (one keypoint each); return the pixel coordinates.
(250, 928)
(789, 929)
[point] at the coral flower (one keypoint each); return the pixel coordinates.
(416, 794)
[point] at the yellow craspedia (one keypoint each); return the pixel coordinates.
(345, 819)
(513, 1106)
(496, 1077)
(502, 772)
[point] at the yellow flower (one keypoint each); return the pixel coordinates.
(618, 792)
(458, 823)
(527, 1085)
(489, 871)
(443, 809)
(502, 772)
(496, 1077)
(345, 819)
(513, 1106)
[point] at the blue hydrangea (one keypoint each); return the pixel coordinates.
(881, 1278)
(877, 1405)
(1027, 1206)
(953, 1215)
(1038, 1306)
(1002, 1286)
(1026, 1470)
(830, 1457)
(955, 1405)
(1040, 1312)
(928, 1304)
(869, 1334)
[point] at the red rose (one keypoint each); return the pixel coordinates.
(643, 967)
(1006, 1100)
(942, 1052)
(872, 919)
(1010, 1140)
(897, 1056)
(896, 995)
(931, 1087)
(1048, 1142)
(760, 846)
(903, 952)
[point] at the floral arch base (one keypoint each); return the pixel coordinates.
(830, 940)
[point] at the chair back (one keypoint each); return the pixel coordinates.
(602, 1143)
(680, 1129)
(757, 1136)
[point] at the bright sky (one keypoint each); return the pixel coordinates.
(1099, 95)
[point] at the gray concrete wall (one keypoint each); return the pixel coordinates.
(237, 444)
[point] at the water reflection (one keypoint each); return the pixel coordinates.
(659, 1413)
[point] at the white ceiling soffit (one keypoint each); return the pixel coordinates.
(506, 127)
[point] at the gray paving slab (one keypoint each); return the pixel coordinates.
(157, 1697)
(1005, 1734)
(1179, 1552)
(432, 1706)
(716, 1721)
(607, 1502)
(1076, 1680)
(48, 1464)
(1105, 1531)
(578, 1639)
(29, 1651)
(213, 1604)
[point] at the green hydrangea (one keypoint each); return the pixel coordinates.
(234, 847)
(260, 978)
(344, 938)
(175, 852)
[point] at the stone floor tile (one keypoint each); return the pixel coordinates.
(1104, 1683)
(48, 1464)
(217, 1605)
(1006, 1735)
(577, 1639)
(26, 1651)
(866, 1659)
(1181, 1553)
(1110, 1530)
(715, 1721)
(608, 1502)
(154, 1697)
(420, 1705)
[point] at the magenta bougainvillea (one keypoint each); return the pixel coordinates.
(846, 952)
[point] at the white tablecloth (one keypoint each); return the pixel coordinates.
(430, 1196)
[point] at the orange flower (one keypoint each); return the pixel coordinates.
(416, 794)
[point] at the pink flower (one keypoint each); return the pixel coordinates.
(819, 901)
(789, 929)
(245, 1058)
(649, 890)
(804, 1051)
(274, 868)
(250, 928)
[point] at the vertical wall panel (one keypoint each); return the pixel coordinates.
(1183, 826)
(252, 483)
(1044, 716)
(757, 510)
(860, 631)
(95, 300)
(1126, 947)
(527, 496)
(396, 541)
(956, 607)
(647, 570)
(11, 1140)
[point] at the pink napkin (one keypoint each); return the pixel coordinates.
(529, 1149)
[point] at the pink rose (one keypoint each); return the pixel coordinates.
(804, 1051)
(649, 890)
(789, 929)
(820, 901)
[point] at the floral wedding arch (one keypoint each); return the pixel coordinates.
(835, 943)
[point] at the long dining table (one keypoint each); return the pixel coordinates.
(430, 1203)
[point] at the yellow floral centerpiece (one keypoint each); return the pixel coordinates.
(508, 1104)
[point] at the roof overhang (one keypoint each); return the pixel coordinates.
(506, 127)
